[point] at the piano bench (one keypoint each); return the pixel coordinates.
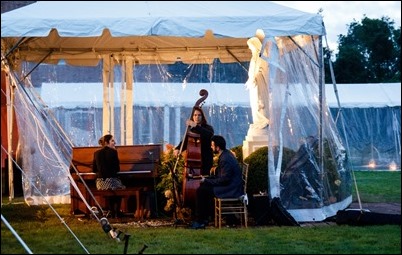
(137, 192)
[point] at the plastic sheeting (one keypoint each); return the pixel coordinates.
(310, 189)
(372, 119)
(315, 181)
(44, 152)
(369, 132)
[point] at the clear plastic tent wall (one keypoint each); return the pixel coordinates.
(308, 164)
(49, 129)
(163, 97)
(311, 187)
(44, 151)
(373, 133)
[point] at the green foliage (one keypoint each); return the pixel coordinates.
(258, 168)
(165, 184)
(168, 180)
(369, 53)
(238, 151)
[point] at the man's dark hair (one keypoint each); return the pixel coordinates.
(219, 141)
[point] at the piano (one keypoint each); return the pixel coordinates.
(138, 170)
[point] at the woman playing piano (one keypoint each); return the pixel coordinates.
(106, 165)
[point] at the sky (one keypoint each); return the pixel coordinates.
(338, 15)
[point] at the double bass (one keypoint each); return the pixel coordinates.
(193, 163)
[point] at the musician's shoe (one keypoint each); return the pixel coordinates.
(197, 225)
(205, 222)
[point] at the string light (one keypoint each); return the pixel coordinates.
(372, 164)
(392, 166)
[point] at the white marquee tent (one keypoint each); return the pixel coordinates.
(83, 32)
(140, 32)
(133, 33)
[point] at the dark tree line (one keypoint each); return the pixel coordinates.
(7, 6)
(369, 53)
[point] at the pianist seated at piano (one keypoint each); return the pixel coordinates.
(106, 165)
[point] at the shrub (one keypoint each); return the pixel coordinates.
(258, 168)
(238, 151)
(168, 184)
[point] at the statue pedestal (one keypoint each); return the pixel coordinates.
(255, 139)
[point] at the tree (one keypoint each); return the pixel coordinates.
(7, 6)
(369, 53)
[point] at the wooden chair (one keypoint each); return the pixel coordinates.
(225, 206)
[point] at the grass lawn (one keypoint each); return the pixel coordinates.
(52, 230)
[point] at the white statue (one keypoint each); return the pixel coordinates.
(257, 83)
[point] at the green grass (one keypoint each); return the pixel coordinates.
(378, 186)
(43, 232)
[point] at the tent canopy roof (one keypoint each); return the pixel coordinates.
(191, 31)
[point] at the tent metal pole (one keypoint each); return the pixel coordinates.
(312, 60)
(126, 102)
(37, 64)
(105, 101)
(321, 105)
(111, 98)
(238, 60)
(108, 96)
(123, 103)
(10, 120)
(342, 121)
(26, 247)
(129, 101)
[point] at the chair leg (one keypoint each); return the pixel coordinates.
(245, 216)
(219, 213)
(216, 213)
